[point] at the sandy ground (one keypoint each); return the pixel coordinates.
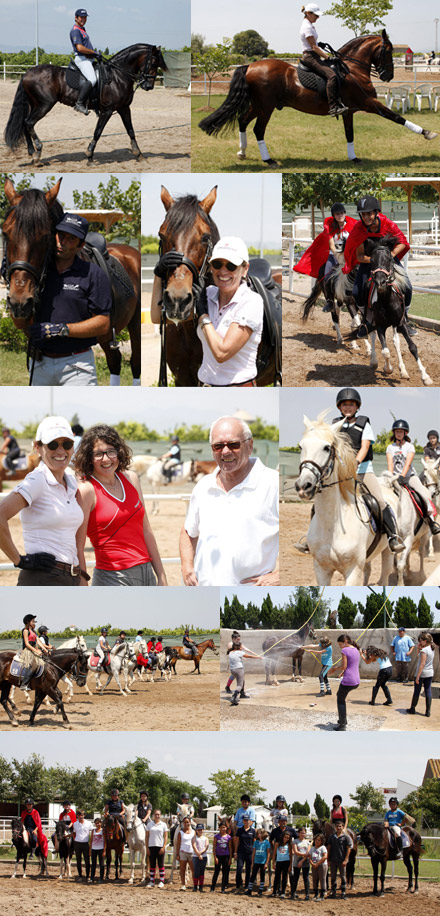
(161, 120)
(297, 568)
(295, 705)
(50, 897)
(187, 702)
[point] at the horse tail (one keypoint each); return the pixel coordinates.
(311, 301)
(235, 106)
(15, 132)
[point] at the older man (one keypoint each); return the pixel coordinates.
(230, 535)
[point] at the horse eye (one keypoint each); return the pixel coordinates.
(326, 448)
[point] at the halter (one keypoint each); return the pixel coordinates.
(321, 472)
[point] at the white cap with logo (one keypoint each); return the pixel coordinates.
(231, 249)
(53, 428)
(313, 8)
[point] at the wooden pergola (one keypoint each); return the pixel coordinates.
(408, 185)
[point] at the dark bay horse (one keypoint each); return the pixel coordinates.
(29, 238)
(42, 87)
(275, 648)
(59, 663)
(258, 88)
(326, 829)
(187, 237)
(180, 653)
(336, 294)
(114, 840)
(20, 839)
(375, 838)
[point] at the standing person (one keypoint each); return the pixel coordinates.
(51, 514)
(400, 455)
(401, 647)
(432, 447)
(370, 656)
(78, 432)
(243, 849)
(338, 813)
(157, 842)
(277, 833)
(235, 643)
(230, 535)
(222, 853)
(260, 860)
(349, 667)
(184, 850)
(300, 863)
(281, 863)
(73, 311)
(84, 53)
(314, 57)
(97, 850)
(10, 448)
(115, 519)
(424, 674)
(325, 650)
(200, 845)
(236, 666)
(318, 856)
(81, 832)
(339, 846)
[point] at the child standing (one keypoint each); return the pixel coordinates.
(370, 655)
(236, 656)
(282, 859)
(325, 650)
(318, 861)
(200, 845)
(97, 849)
(300, 863)
(260, 860)
(157, 841)
(222, 852)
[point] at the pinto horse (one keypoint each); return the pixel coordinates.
(29, 234)
(187, 236)
(258, 88)
(182, 653)
(59, 664)
(376, 840)
(326, 829)
(114, 840)
(42, 87)
(20, 839)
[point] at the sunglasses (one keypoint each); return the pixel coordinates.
(67, 444)
(111, 453)
(232, 446)
(217, 264)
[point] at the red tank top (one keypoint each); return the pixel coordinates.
(338, 814)
(116, 527)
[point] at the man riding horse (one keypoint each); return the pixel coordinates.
(84, 53)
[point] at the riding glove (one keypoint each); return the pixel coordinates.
(44, 330)
(202, 304)
(36, 561)
(401, 480)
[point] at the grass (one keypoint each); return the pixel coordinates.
(13, 369)
(427, 305)
(301, 142)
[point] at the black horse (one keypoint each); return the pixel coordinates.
(336, 293)
(42, 87)
(276, 648)
(61, 662)
(326, 829)
(20, 839)
(64, 846)
(377, 841)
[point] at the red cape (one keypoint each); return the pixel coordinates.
(359, 234)
(318, 252)
(42, 839)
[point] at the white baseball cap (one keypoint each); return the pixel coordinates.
(53, 428)
(231, 249)
(313, 8)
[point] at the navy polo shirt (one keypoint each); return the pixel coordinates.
(78, 36)
(78, 293)
(246, 840)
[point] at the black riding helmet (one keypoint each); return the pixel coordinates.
(27, 618)
(43, 629)
(280, 798)
(400, 424)
(29, 801)
(348, 394)
(432, 432)
(337, 208)
(185, 796)
(367, 203)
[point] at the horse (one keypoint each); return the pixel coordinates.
(31, 462)
(258, 88)
(187, 237)
(114, 840)
(156, 477)
(45, 684)
(276, 648)
(20, 839)
(29, 238)
(162, 663)
(136, 840)
(411, 526)
(203, 467)
(78, 643)
(376, 840)
(43, 86)
(340, 537)
(122, 658)
(185, 655)
(326, 829)
(430, 478)
(64, 847)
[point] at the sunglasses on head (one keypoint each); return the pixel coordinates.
(232, 446)
(217, 264)
(67, 444)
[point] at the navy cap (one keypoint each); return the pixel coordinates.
(246, 817)
(81, 13)
(74, 225)
(401, 628)
(200, 827)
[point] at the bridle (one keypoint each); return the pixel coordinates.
(145, 80)
(321, 472)
(39, 275)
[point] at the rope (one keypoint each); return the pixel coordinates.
(121, 133)
(302, 625)
(369, 625)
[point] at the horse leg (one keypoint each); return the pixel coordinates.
(373, 106)
(5, 703)
(416, 873)
(102, 121)
(426, 379)
(354, 575)
(347, 118)
(335, 320)
(409, 868)
(259, 131)
(385, 352)
(373, 356)
(383, 868)
(243, 123)
(88, 689)
(396, 341)
(323, 576)
(134, 330)
(108, 863)
(109, 677)
(125, 115)
(34, 143)
(116, 677)
(114, 361)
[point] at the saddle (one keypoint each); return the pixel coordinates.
(19, 464)
(75, 79)
(19, 670)
(95, 660)
(406, 839)
(311, 80)
(95, 250)
(261, 281)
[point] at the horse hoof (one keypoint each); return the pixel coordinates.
(427, 380)
(67, 725)
(14, 724)
(429, 134)
(357, 161)
(272, 163)
(241, 154)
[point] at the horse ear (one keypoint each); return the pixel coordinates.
(208, 202)
(52, 194)
(12, 195)
(166, 198)
(307, 422)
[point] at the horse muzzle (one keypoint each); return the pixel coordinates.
(20, 307)
(179, 305)
(305, 485)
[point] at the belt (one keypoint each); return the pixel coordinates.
(64, 355)
(251, 384)
(70, 568)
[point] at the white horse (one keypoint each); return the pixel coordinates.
(163, 665)
(136, 839)
(157, 478)
(141, 463)
(122, 660)
(431, 480)
(414, 535)
(339, 535)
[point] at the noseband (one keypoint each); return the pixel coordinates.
(320, 472)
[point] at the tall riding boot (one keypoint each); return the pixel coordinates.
(374, 695)
(428, 701)
(81, 102)
(399, 846)
(433, 526)
(395, 543)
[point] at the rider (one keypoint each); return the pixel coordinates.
(102, 646)
(115, 807)
(432, 447)
(315, 58)
(279, 811)
(372, 224)
(120, 639)
(189, 643)
(31, 819)
(42, 632)
(338, 814)
(84, 52)
(32, 646)
(319, 259)
(393, 820)
(400, 454)
(144, 807)
(185, 809)
(171, 458)
(67, 814)
(10, 448)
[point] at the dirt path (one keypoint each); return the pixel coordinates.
(161, 121)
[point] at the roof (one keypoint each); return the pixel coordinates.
(432, 769)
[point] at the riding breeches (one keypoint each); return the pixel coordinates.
(9, 459)
(330, 265)
(362, 275)
(373, 486)
(316, 63)
(87, 69)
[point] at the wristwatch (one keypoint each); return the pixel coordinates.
(205, 320)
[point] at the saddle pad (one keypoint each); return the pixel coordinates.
(417, 501)
(95, 661)
(405, 840)
(18, 670)
(73, 77)
(311, 80)
(120, 276)
(187, 651)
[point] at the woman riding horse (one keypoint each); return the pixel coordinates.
(314, 56)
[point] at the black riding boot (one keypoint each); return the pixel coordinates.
(374, 695)
(399, 846)
(81, 102)
(433, 526)
(428, 701)
(395, 543)
(235, 700)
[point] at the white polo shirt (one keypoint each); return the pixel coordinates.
(52, 516)
(81, 831)
(246, 310)
(237, 531)
(306, 31)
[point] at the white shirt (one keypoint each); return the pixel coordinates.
(156, 833)
(237, 531)
(236, 659)
(399, 455)
(428, 669)
(185, 841)
(306, 31)
(81, 831)
(52, 517)
(246, 310)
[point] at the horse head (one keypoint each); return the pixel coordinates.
(28, 230)
(187, 236)
(152, 61)
(324, 450)
(17, 830)
(383, 58)
(80, 667)
(382, 261)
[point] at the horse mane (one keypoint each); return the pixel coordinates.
(120, 55)
(183, 213)
(354, 43)
(33, 216)
(344, 452)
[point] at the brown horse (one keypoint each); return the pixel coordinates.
(114, 840)
(376, 840)
(60, 663)
(29, 233)
(187, 237)
(326, 829)
(181, 652)
(32, 462)
(258, 88)
(203, 467)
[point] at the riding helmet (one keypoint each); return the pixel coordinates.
(29, 801)
(64, 803)
(348, 394)
(280, 798)
(115, 792)
(43, 629)
(175, 439)
(393, 799)
(433, 432)
(143, 792)
(337, 208)
(400, 424)
(104, 631)
(27, 618)
(185, 796)
(367, 203)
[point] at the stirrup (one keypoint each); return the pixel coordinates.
(302, 545)
(398, 546)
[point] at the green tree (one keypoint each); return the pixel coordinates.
(347, 611)
(237, 614)
(214, 61)
(261, 430)
(321, 807)
(110, 197)
(197, 43)
(230, 785)
(30, 777)
(405, 612)
(300, 191)
(252, 615)
(367, 798)
(360, 16)
(424, 804)
(6, 779)
(424, 613)
(81, 787)
(300, 808)
(267, 612)
(304, 602)
(250, 44)
(371, 610)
